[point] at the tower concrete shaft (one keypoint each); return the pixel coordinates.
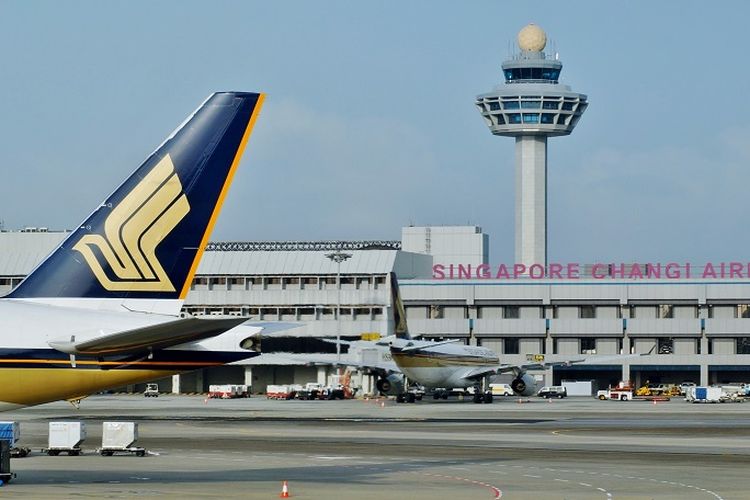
(531, 200)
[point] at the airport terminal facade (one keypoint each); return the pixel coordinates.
(697, 329)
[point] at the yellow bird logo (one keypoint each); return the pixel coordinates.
(133, 231)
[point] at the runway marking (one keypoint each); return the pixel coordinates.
(496, 492)
(606, 474)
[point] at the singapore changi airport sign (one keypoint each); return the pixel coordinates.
(600, 271)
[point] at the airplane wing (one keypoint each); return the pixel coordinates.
(149, 338)
(540, 364)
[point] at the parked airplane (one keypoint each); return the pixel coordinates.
(452, 364)
(103, 310)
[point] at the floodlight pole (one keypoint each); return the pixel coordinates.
(338, 257)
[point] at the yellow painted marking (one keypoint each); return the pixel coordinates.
(222, 195)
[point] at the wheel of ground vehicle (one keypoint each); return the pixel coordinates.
(400, 398)
(74, 453)
(560, 396)
(107, 453)
(444, 395)
(419, 397)
(478, 398)
(623, 398)
(411, 398)
(488, 397)
(53, 453)
(602, 397)
(141, 453)
(436, 395)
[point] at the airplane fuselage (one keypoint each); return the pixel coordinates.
(445, 365)
(32, 372)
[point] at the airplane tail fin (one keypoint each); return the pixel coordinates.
(400, 329)
(145, 240)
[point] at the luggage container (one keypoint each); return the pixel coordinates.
(11, 432)
(704, 395)
(120, 437)
(65, 437)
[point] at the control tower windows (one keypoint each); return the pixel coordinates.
(494, 106)
(562, 119)
(548, 118)
(530, 104)
(530, 118)
(510, 104)
(514, 118)
(568, 106)
(512, 74)
(550, 105)
(500, 120)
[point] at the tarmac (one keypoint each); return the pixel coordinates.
(576, 448)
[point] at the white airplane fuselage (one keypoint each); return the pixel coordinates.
(31, 372)
(445, 365)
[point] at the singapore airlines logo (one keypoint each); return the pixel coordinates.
(134, 229)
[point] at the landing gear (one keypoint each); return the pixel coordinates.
(439, 394)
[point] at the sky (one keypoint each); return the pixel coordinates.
(369, 123)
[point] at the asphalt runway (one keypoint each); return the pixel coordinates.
(578, 448)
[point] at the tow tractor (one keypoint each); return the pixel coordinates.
(623, 392)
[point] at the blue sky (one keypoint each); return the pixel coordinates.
(369, 122)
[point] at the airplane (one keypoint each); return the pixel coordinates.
(451, 364)
(103, 309)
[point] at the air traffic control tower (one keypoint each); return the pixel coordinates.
(531, 105)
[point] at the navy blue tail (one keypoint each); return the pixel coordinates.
(146, 239)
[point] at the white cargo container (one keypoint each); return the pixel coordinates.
(120, 436)
(708, 394)
(66, 437)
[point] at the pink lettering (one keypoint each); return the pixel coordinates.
(573, 271)
(464, 272)
(735, 270)
(709, 271)
(599, 271)
(518, 270)
(502, 272)
(483, 271)
(672, 270)
(555, 271)
(438, 272)
(653, 270)
(536, 271)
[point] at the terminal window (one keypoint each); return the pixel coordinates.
(511, 312)
(587, 312)
(510, 346)
(743, 345)
(588, 346)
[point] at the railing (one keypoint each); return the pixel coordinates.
(274, 246)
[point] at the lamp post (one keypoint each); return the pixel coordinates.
(338, 257)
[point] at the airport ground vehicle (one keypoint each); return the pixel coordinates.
(553, 391)
(228, 391)
(616, 394)
(413, 394)
(501, 389)
(152, 391)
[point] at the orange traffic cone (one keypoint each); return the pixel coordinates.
(284, 490)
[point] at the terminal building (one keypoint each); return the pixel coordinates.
(696, 330)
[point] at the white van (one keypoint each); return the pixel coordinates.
(501, 389)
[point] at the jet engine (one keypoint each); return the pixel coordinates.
(392, 384)
(524, 385)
